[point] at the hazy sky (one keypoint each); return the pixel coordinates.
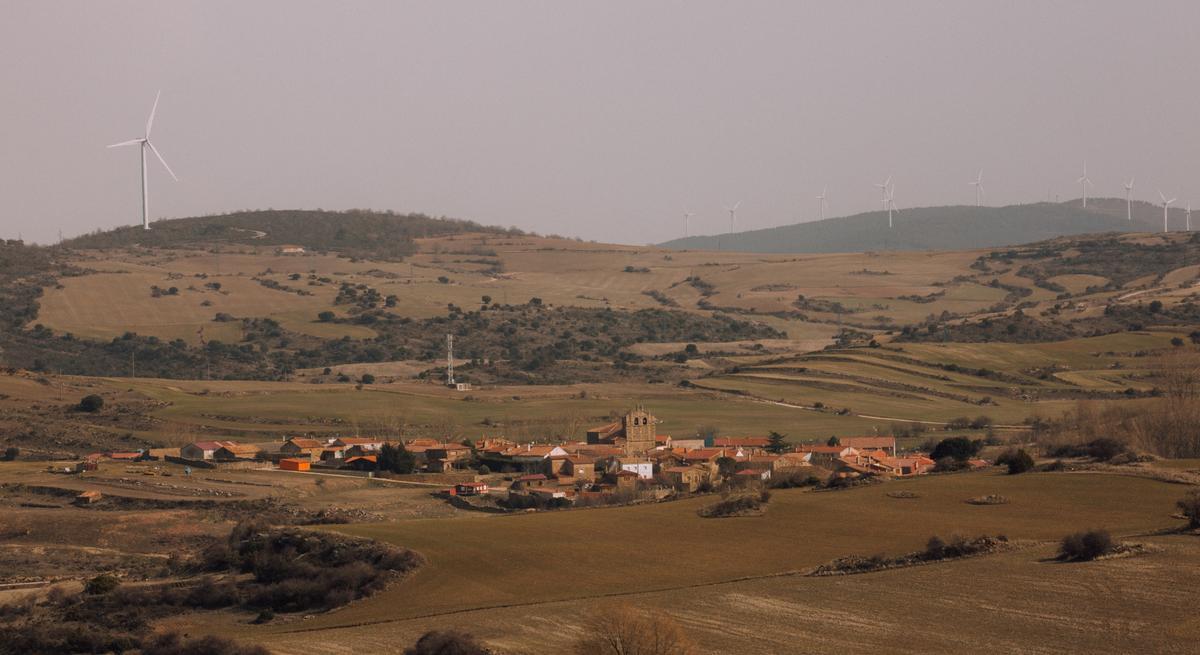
(600, 119)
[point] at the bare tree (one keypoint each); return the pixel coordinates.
(623, 630)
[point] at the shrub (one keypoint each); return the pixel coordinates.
(1085, 546)
(959, 448)
(1017, 461)
(1190, 507)
(367, 378)
(325, 316)
(11, 453)
(101, 584)
(450, 642)
(627, 630)
(92, 403)
(171, 643)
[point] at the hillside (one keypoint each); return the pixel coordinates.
(941, 228)
(359, 233)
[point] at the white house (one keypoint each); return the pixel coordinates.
(643, 467)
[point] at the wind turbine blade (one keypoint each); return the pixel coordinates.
(160, 158)
(1160, 195)
(150, 121)
(125, 143)
(736, 205)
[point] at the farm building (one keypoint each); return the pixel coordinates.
(887, 444)
(292, 464)
(203, 450)
(302, 447)
(470, 488)
(361, 463)
(685, 478)
(236, 451)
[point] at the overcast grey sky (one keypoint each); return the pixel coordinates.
(600, 119)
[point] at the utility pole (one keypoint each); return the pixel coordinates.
(133, 362)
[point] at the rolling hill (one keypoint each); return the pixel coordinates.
(941, 228)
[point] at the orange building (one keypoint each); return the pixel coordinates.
(291, 464)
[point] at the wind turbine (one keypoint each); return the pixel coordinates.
(978, 184)
(686, 216)
(1085, 181)
(144, 142)
(1166, 205)
(1188, 224)
(1129, 199)
(822, 203)
(889, 203)
(733, 214)
(883, 190)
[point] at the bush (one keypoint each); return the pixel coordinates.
(11, 453)
(1190, 507)
(92, 403)
(1103, 449)
(1085, 546)
(101, 584)
(325, 316)
(367, 378)
(628, 630)
(450, 642)
(959, 448)
(1017, 461)
(171, 643)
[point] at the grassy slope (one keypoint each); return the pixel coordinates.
(936, 228)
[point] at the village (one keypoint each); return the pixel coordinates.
(622, 461)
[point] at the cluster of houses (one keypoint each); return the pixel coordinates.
(627, 454)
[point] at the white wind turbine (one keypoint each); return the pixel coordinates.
(1129, 199)
(1188, 223)
(733, 214)
(1085, 181)
(822, 203)
(144, 142)
(883, 190)
(1166, 206)
(978, 184)
(889, 203)
(686, 216)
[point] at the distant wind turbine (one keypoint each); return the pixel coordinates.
(822, 203)
(889, 203)
(1166, 205)
(1085, 181)
(733, 214)
(1129, 199)
(144, 142)
(883, 190)
(686, 216)
(978, 184)
(1188, 224)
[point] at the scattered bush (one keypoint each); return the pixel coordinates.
(101, 584)
(450, 642)
(739, 505)
(1103, 449)
(621, 630)
(1190, 507)
(1017, 461)
(1085, 546)
(171, 643)
(959, 448)
(92, 403)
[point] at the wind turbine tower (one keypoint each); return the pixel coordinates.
(733, 215)
(1166, 206)
(1188, 223)
(978, 184)
(686, 216)
(890, 203)
(144, 143)
(1129, 199)
(822, 203)
(1085, 181)
(450, 360)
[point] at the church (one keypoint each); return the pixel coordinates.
(635, 432)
